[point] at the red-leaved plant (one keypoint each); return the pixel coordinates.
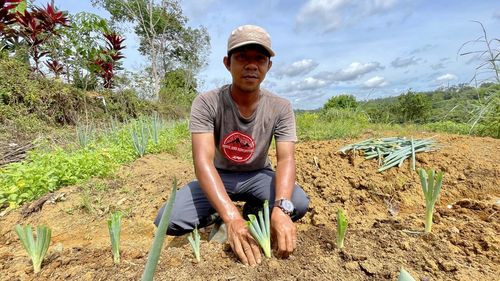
(38, 26)
(55, 67)
(7, 16)
(107, 58)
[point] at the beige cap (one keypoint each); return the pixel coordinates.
(249, 34)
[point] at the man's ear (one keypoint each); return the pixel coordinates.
(269, 65)
(227, 63)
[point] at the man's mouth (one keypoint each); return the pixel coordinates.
(250, 77)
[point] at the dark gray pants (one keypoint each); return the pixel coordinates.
(191, 207)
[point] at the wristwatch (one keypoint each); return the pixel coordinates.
(285, 205)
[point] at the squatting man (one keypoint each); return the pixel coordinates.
(232, 128)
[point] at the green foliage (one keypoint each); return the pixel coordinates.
(413, 107)
(330, 124)
(177, 93)
(154, 252)
(36, 248)
(45, 171)
(341, 102)
(164, 36)
(460, 109)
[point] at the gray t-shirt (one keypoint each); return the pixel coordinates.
(242, 143)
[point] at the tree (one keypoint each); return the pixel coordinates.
(412, 107)
(342, 101)
(164, 37)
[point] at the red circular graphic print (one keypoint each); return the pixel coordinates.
(238, 147)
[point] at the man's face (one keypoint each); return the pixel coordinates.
(248, 67)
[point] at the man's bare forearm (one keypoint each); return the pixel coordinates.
(285, 171)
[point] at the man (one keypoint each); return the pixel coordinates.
(232, 128)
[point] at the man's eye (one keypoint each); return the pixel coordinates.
(262, 59)
(240, 57)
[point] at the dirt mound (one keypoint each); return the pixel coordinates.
(385, 212)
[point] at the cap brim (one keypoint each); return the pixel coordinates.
(271, 53)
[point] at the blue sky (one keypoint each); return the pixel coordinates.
(368, 48)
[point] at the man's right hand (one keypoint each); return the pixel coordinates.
(241, 241)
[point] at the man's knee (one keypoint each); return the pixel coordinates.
(173, 229)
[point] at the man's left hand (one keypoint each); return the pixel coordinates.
(284, 233)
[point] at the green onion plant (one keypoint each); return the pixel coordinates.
(114, 227)
(36, 248)
(261, 229)
(140, 137)
(155, 127)
(154, 252)
(431, 186)
(341, 228)
(194, 240)
(83, 134)
(405, 276)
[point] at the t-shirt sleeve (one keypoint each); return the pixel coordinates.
(285, 126)
(202, 116)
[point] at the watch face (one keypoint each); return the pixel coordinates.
(287, 205)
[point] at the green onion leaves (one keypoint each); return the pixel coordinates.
(36, 249)
(194, 240)
(154, 252)
(114, 227)
(431, 186)
(261, 229)
(341, 228)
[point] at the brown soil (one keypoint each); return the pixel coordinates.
(385, 212)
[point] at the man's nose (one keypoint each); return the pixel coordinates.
(251, 65)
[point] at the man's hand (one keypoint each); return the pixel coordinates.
(242, 242)
(284, 233)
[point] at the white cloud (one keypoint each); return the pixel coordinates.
(446, 78)
(352, 72)
(404, 62)
(375, 82)
(330, 15)
(297, 68)
(308, 83)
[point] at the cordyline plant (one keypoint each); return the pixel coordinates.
(56, 67)
(341, 228)
(194, 240)
(7, 15)
(36, 249)
(154, 252)
(431, 186)
(261, 230)
(105, 61)
(38, 26)
(114, 227)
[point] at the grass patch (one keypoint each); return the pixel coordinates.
(331, 124)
